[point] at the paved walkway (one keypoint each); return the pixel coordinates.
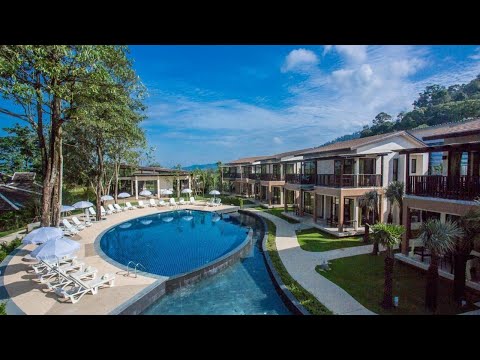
(301, 266)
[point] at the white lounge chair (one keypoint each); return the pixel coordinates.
(181, 201)
(217, 202)
(63, 280)
(105, 212)
(58, 270)
(92, 212)
(210, 202)
(162, 203)
(129, 206)
(172, 202)
(80, 288)
(141, 204)
(43, 265)
(192, 201)
(78, 224)
(118, 208)
(111, 208)
(69, 228)
(152, 202)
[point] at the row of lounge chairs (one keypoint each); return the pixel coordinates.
(70, 278)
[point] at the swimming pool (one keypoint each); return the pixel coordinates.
(174, 242)
(245, 288)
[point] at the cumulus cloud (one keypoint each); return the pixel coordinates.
(355, 53)
(476, 55)
(299, 59)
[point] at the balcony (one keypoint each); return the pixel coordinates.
(229, 175)
(304, 179)
(349, 180)
(446, 187)
(238, 175)
(271, 177)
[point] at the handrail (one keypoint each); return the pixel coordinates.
(137, 266)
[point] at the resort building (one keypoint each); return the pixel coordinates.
(19, 190)
(134, 179)
(451, 184)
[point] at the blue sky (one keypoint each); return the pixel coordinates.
(210, 103)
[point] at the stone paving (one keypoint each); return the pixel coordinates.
(34, 298)
(301, 266)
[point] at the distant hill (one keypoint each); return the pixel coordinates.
(201, 167)
(355, 135)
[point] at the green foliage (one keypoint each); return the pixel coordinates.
(439, 237)
(13, 220)
(2, 308)
(316, 240)
(387, 235)
(19, 150)
(470, 224)
(240, 203)
(435, 105)
(370, 200)
(7, 248)
(309, 301)
(362, 276)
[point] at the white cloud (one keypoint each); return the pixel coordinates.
(299, 59)
(406, 67)
(355, 53)
(476, 55)
(326, 49)
(277, 140)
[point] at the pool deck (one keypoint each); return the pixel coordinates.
(33, 298)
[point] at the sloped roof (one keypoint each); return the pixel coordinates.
(14, 199)
(23, 177)
(247, 160)
(448, 130)
(355, 143)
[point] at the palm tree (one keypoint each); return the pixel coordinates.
(470, 224)
(369, 200)
(388, 235)
(439, 238)
(394, 192)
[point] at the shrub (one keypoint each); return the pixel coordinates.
(7, 248)
(2, 308)
(240, 201)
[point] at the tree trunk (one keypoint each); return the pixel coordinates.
(387, 302)
(432, 284)
(460, 276)
(375, 248)
(367, 228)
(116, 180)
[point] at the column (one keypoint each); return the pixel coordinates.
(325, 207)
(355, 213)
(269, 195)
(299, 201)
(178, 188)
(356, 170)
(136, 188)
(381, 208)
(158, 187)
(131, 186)
(407, 173)
(285, 205)
(314, 207)
(340, 213)
(443, 217)
(408, 228)
(282, 198)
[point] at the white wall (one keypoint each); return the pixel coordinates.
(391, 144)
(325, 166)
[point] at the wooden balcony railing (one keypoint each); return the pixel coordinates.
(347, 180)
(229, 175)
(447, 187)
(271, 177)
(304, 179)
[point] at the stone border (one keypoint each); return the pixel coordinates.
(142, 300)
(288, 298)
(11, 307)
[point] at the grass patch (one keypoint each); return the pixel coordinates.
(8, 232)
(310, 302)
(362, 277)
(7, 248)
(278, 213)
(317, 240)
(2, 308)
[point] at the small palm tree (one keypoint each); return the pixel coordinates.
(470, 224)
(439, 238)
(370, 201)
(394, 192)
(388, 235)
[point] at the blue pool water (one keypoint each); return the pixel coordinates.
(175, 242)
(244, 288)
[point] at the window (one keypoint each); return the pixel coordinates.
(395, 170)
(366, 166)
(413, 170)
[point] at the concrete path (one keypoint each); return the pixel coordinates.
(301, 266)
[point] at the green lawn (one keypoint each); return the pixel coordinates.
(317, 240)
(278, 213)
(362, 277)
(8, 232)
(310, 302)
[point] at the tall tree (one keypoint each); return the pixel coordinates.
(388, 235)
(439, 238)
(470, 224)
(43, 83)
(19, 150)
(395, 192)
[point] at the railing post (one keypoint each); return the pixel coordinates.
(407, 173)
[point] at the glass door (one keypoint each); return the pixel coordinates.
(308, 203)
